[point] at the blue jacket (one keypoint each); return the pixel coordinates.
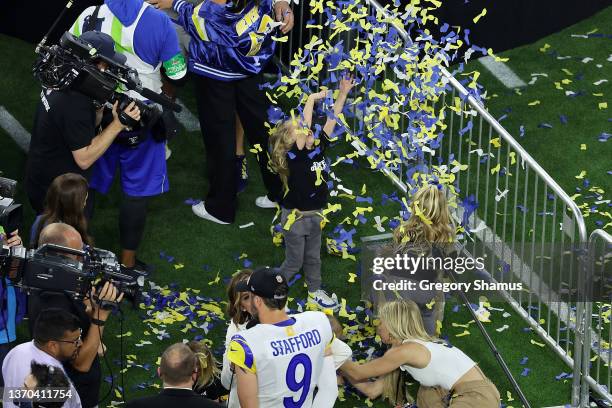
(227, 44)
(15, 311)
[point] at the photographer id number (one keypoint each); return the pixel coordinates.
(38, 394)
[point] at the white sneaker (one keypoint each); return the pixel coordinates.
(265, 202)
(323, 300)
(168, 152)
(200, 210)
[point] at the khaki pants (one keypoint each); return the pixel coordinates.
(471, 394)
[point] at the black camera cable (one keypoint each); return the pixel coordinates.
(122, 358)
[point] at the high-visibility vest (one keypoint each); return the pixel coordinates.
(150, 76)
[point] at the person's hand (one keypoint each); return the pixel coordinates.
(322, 94)
(346, 84)
(283, 13)
(161, 4)
(131, 110)
(14, 239)
(108, 293)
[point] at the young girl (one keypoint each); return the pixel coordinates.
(429, 232)
(65, 202)
(447, 377)
(239, 317)
(208, 381)
(301, 165)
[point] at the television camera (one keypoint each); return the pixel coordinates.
(54, 268)
(72, 65)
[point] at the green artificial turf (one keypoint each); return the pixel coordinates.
(202, 250)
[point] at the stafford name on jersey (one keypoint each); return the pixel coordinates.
(296, 343)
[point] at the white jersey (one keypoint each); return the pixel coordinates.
(287, 358)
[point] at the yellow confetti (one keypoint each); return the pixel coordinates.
(581, 175)
(352, 277)
(603, 105)
(509, 396)
(567, 71)
(534, 103)
(256, 149)
(179, 266)
(495, 142)
(481, 15)
(545, 47)
(512, 157)
(583, 146)
(465, 333)
(535, 343)
(420, 214)
(216, 280)
(291, 218)
(126, 334)
(496, 168)
(280, 39)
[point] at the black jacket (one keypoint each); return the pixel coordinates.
(173, 397)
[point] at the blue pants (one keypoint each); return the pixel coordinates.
(142, 169)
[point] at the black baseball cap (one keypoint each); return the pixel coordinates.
(266, 282)
(104, 44)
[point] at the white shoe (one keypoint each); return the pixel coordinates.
(200, 210)
(323, 300)
(168, 152)
(265, 202)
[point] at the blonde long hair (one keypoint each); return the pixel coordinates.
(404, 322)
(281, 140)
(430, 220)
(208, 367)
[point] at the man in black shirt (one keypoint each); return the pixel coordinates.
(64, 137)
(178, 371)
(84, 370)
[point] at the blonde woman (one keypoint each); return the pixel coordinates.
(430, 220)
(208, 382)
(300, 162)
(429, 232)
(447, 377)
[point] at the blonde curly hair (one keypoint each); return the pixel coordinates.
(281, 141)
(430, 220)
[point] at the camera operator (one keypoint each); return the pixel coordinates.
(148, 40)
(12, 301)
(64, 137)
(85, 370)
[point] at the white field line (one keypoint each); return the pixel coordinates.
(187, 119)
(502, 72)
(14, 129)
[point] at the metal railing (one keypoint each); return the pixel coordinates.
(597, 355)
(512, 210)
